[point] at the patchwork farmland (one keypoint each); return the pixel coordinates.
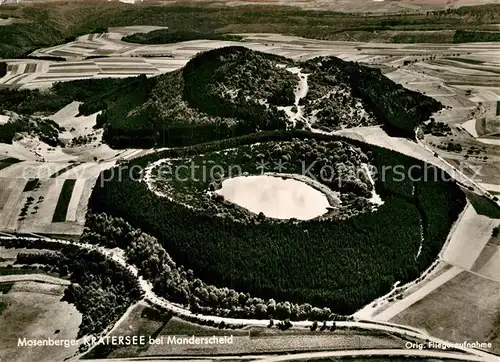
(112, 57)
(387, 7)
(33, 198)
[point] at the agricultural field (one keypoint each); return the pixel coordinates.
(62, 205)
(34, 174)
(6, 162)
(465, 308)
(34, 310)
(278, 175)
(99, 288)
(234, 91)
(473, 233)
(27, 208)
(143, 320)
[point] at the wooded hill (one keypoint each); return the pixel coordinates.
(230, 92)
(336, 165)
(46, 129)
(167, 36)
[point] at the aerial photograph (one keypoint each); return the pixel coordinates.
(249, 180)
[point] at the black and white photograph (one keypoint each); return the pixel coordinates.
(249, 180)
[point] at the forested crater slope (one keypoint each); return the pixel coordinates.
(342, 264)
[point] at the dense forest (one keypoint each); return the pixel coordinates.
(101, 289)
(341, 265)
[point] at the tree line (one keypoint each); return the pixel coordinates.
(167, 36)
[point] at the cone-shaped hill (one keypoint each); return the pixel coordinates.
(234, 91)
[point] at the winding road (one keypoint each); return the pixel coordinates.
(151, 297)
